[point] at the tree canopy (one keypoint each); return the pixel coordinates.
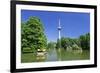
(85, 41)
(33, 36)
(82, 42)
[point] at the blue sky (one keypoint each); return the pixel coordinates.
(73, 24)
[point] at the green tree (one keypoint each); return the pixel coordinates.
(76, 41)
(85, 41)
(75, 47)
(57, 44)
(33, 34)
(51, 45)
(65, 42)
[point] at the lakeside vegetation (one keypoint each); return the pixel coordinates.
(83, 42)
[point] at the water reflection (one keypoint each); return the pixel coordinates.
(40, 56)
(56, 55)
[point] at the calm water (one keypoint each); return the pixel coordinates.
(55, 55)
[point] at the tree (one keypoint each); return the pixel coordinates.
(65, 42)
(33, 34)
(82, 42)
(85, 41)
(51, 45)
(76, 41)
(75, 47)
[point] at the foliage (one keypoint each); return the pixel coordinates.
(57, 44)
(65, 42)
(75, 47)
(33, 34)
(75, 43)
(27, 50)
(51, 45)
(85, 41)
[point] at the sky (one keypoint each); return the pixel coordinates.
(73, 24)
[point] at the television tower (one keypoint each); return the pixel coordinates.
(59, 30)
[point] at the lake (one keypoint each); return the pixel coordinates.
(55, 55)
